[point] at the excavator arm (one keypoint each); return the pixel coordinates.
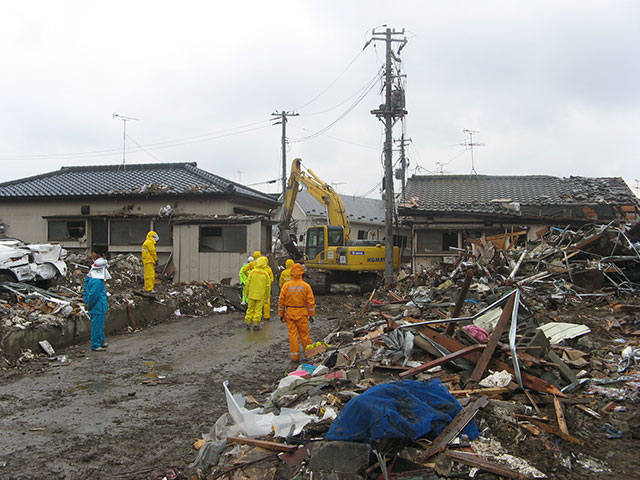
(321, 191)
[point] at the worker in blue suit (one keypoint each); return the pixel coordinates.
(95, 298)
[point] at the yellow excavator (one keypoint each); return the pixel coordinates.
(329, 253)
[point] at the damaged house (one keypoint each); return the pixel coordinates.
(207, 224)
(447, 212)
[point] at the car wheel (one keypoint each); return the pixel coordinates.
(7, 277)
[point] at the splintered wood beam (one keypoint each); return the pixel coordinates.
(280, 447)
(453, 345)
(488, 352)
(452, 430)
(562, 422)
(461, 298)
(474, 460)
(555, 431)
(439, 361)
(366, 305)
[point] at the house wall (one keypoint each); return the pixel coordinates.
(192, 265)
(26, 219)
(455, 228)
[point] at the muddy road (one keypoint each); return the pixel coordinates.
(136, 409)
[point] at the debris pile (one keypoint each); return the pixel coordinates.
(25, 306)
(507, 362)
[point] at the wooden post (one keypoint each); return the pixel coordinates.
(481, 366)
(460, 303)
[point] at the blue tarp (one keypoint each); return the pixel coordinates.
(407, 409)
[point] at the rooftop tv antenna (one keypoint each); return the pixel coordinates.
(124, 133)
(469, 146)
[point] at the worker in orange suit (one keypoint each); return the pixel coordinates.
(285, 276)
(296, 307)
(258, 290)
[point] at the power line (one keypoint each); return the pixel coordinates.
(357, 92)
(344, 114)
(336, 138)
(332, 83)
(152, 146)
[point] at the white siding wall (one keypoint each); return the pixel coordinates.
(191, 265)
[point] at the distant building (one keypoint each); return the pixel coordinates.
(208, 223)
(445, 210)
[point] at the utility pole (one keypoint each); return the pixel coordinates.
(403, 163)
(281, 119)
(124, 133)
(388, 113)
(469, 146)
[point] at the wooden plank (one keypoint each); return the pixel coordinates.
(280, 447)
(439, 361)
(452, 430)
(395, 296)
(473, 460)
(488, 352)
(366, 305)
(532, 401)
(479, 391)
(461, 298)
(555, 431)
(453, 345)
(562, 422)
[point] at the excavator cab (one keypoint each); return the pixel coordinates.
(319, 239)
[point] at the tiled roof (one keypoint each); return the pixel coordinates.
(159, 179)
(505, 194)
(359, 209)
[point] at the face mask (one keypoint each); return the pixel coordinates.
(156, 238)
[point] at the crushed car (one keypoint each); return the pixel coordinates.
(40, 263)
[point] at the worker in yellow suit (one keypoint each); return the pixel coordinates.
(267, 303)
(243, 280)
(149, 260)
(285, 276)
(246, 270)
(258, 290)
(296, 307)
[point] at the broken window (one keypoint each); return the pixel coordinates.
(128, 232)
(428, 241)
(163, 229)
(223, 238)
(60, 230)
(449, 239)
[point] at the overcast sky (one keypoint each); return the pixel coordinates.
(552, 87)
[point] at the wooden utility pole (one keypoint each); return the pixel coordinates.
(392, 109)
(403, 163)
(281, 119)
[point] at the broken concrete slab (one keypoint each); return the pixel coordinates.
(343, 457)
